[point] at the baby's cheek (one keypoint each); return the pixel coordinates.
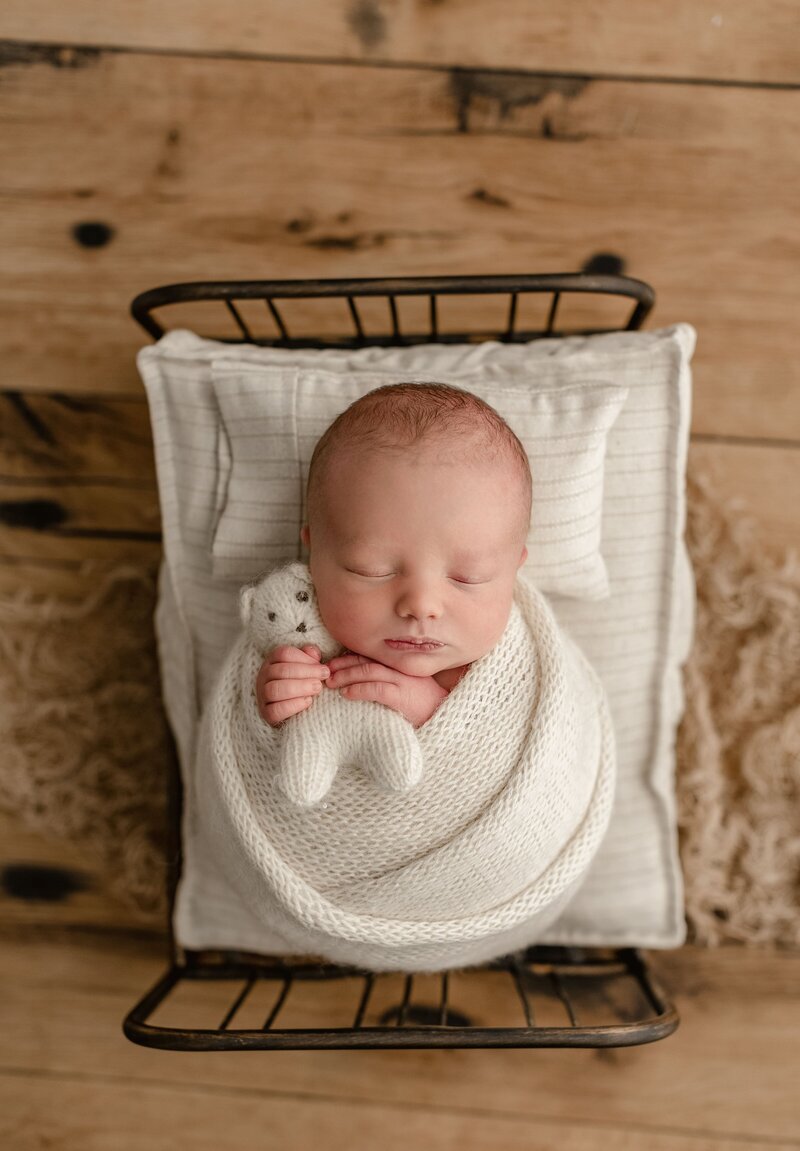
(348, 612)
(331, 611)
(493, 621)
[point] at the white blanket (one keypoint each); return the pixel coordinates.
(463, 846)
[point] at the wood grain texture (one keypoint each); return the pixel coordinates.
(90, 438)
(49, 883)
(732, 40)
(77, 482)
(726, 1078)
(763, 480)
(78, 517)
(39, 1111)
(236, 168)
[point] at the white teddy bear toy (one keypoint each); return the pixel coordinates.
(281, 608)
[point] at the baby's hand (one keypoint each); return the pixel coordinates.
(288, 681)
(414, 696)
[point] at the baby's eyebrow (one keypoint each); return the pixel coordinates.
(470, 556)
(460, 555)
(357, 542)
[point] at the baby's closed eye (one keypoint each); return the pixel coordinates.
(467, 580)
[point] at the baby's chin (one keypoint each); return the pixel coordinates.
(419, 663)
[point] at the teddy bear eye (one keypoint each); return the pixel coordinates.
(271, 615)
(302, 596)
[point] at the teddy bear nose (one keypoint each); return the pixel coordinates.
(300, 627)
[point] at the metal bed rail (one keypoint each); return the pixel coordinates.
(547, 994)
(431, 288)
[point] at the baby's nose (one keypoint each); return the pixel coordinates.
(419, 602)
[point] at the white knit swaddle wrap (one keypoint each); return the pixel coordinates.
(473, 861)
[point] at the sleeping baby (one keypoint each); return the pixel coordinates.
(447, 826)
(419, 505)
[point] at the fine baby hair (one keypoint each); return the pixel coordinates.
(395, 417)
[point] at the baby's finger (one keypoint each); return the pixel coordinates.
(312, 650)
(375, 692)
(361, 673)
(297, 671)
(280, 689)
(348, 660)
(286, 654)
(275, 713)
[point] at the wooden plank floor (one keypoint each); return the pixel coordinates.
(68, 1079)
(700, 38)
(380, 138)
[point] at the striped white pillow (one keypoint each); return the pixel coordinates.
(272, 417)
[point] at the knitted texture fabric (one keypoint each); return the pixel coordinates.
(467, 862)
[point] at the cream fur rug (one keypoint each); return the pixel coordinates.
(86, 745)
(739, 743)
(85, 740)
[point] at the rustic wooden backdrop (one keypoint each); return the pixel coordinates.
(147, 143)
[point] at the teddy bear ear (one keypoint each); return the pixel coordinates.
(246, 597)
(300, 571)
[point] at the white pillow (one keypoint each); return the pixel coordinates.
(273, 416)
(637, 639)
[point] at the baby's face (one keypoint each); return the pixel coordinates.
(416, 545)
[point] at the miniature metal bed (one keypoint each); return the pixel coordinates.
(538, 997)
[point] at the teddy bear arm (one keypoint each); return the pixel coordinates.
(308, 757)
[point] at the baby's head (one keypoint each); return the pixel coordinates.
(419, 503)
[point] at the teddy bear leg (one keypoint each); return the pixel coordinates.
(305, 774)
(394, 756)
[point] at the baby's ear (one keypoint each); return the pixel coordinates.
(246, 597)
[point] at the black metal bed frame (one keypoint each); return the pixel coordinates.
(561, 996)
